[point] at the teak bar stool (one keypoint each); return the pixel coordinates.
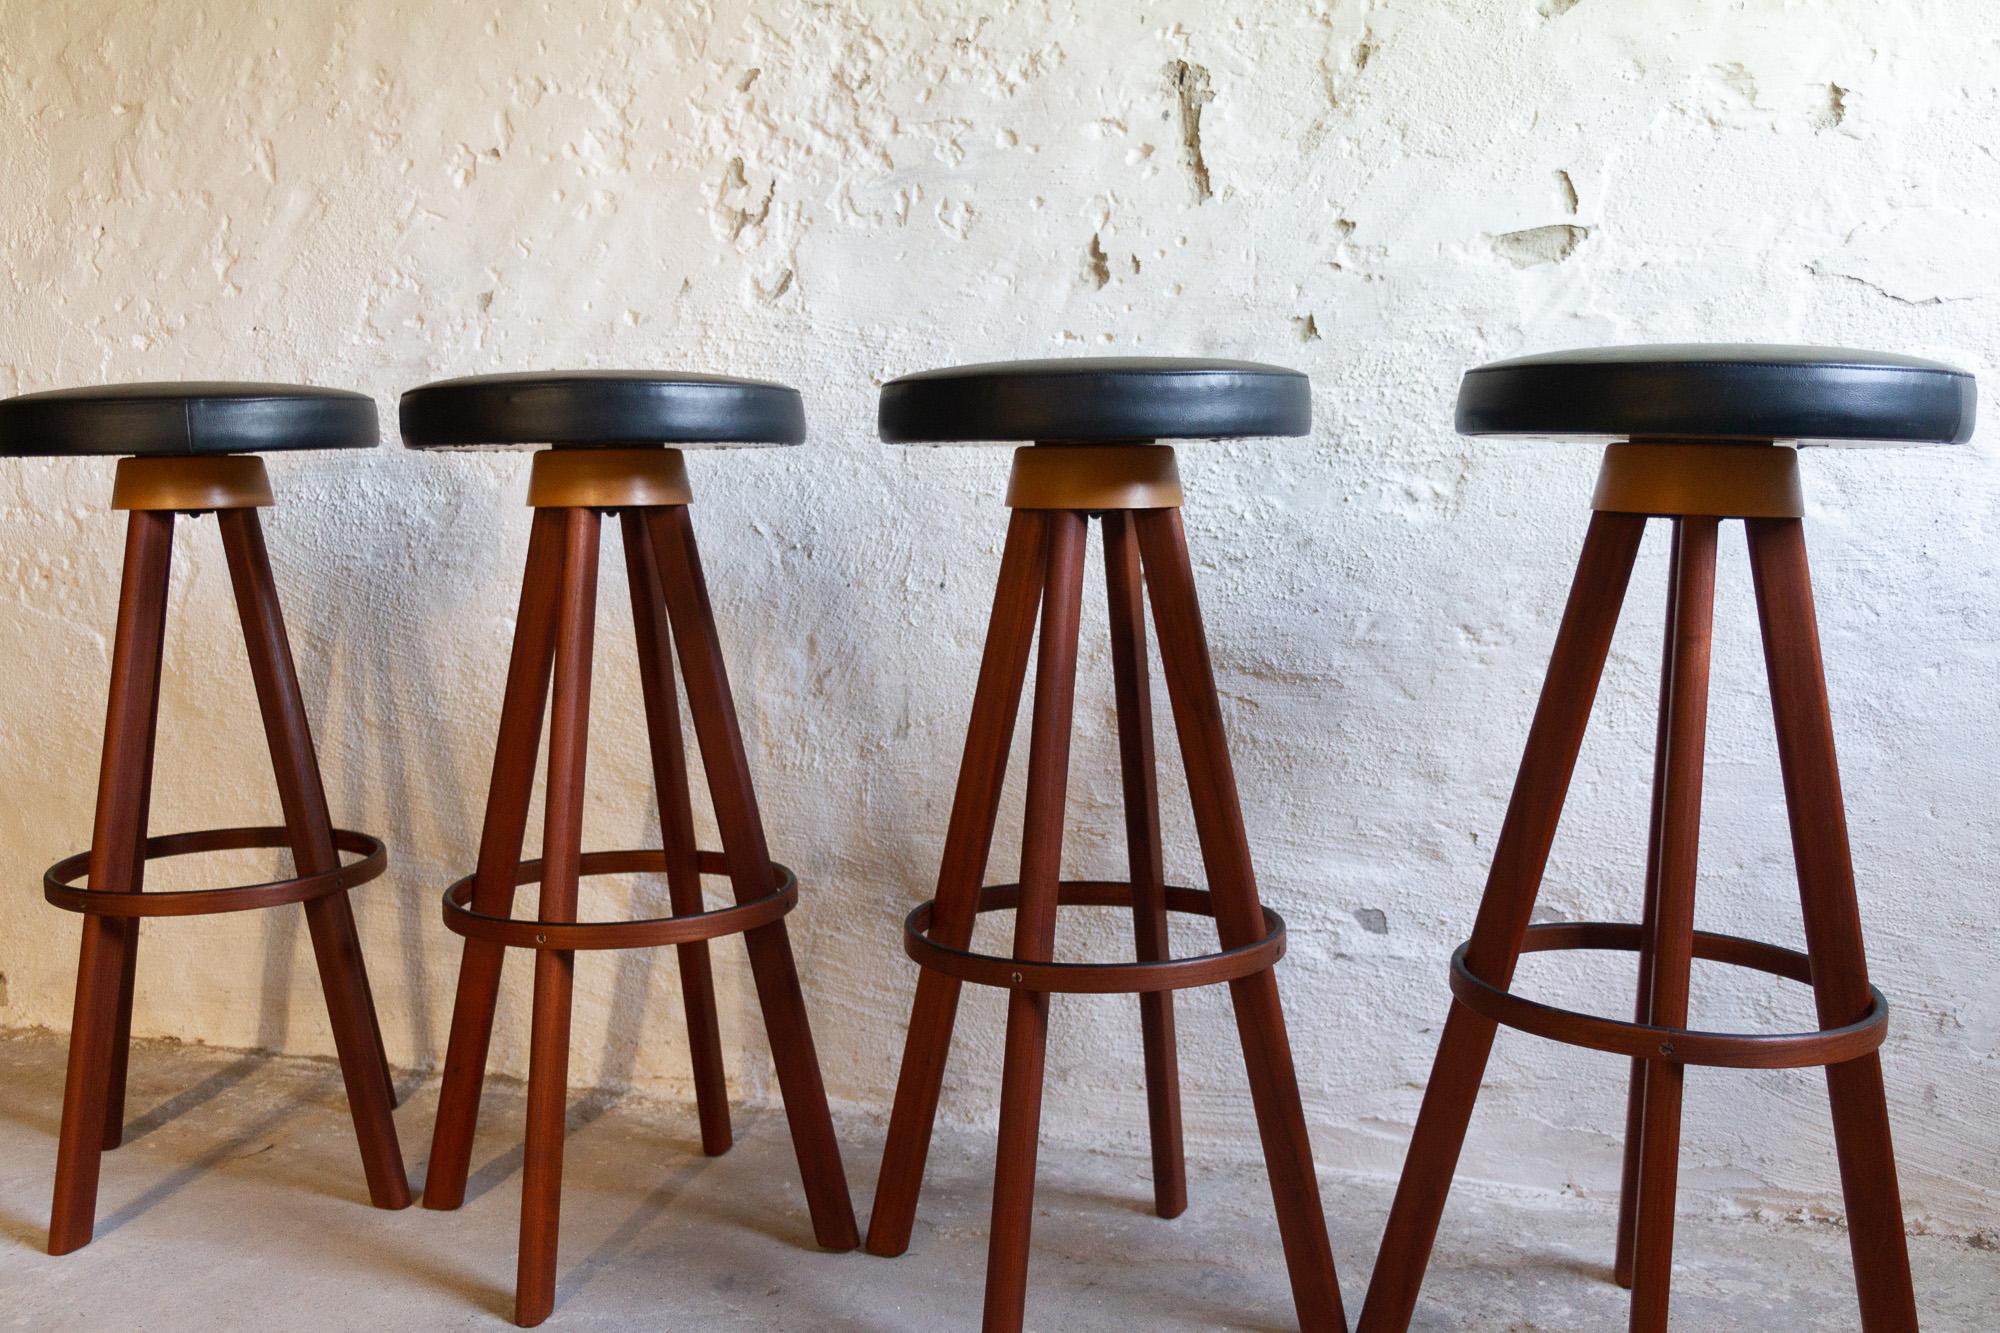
(1701, 422)
(190, 449)
(610, 430)
(1095, 420)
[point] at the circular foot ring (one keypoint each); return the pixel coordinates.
(1093, 978)
(1788, 1050)
(690, 928)
(60, 888)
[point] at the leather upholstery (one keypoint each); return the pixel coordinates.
(1721, 391)
(185, 418)
(1093, 399)
(605, 408)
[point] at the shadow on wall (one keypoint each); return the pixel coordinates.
(368, 653)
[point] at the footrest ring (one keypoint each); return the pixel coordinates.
(516, 933)
(1785, 1050)
(60, 888)
(1093, 978)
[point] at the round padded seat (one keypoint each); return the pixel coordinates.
(185, 419)
(1080, 400)
(1721, 391)
(602, 409)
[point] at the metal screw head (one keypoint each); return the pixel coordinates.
(541, 939)
(1017, 978)
(1666, 1048)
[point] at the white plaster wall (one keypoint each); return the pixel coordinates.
(373, 194)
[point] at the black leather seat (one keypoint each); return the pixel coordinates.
(1096, 399)
(186, 419)
(603, 408)
(1721, 391)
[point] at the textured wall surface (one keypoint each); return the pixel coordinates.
(373, 194)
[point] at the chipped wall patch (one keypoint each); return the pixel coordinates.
(1189, 85)
(1539, 245)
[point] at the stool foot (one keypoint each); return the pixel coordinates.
(515, 754)
(1035, 924)
(771, 964)
(562, 828)
(1554, 738)
(1672, 935)
(975, 806)
(1642, 1009)
(1225, 852)
(1125, 598)
(670, 786)
(329, 920)
(1783, 583)
(101, 1022)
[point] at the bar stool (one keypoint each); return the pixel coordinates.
(610, 431)
(187, 450)
(1096, 420)
(1701, 422)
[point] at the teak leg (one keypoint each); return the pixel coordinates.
(670, 784)
(1832, 919)
(121, 1040)
(515, 753)
(751, 876)
(1635, 1100)
(996, 701)
(1519, 859)
(548, 1048)
(1225, 851)
(1673, 927)
(1035, 924)
(1125, 596)
(330, 919)
(117, 837)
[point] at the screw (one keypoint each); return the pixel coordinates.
(1017, 978)
(541, 939)
(1666, 1048)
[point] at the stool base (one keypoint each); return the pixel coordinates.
(552, 654)
(100, 1033)
(1851, 1012)
(1041, 572)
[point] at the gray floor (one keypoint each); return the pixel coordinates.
(237, 1203)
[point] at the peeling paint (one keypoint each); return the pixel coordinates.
(1539, 245)
(1189, 85)
(1096, 264)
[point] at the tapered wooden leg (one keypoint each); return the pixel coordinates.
(1519, 859)
(121, 1040)
(743, 845)
(562, 830)
(1126, 598)
(670, 783)
(1635, 1099)
(1035, 924)
(329, 920)
(1832, 919)
(1673, 932)
(117, 835)
(1239, 920)
(968, 840)
(515, 753)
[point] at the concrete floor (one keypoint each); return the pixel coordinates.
(237, 1203)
